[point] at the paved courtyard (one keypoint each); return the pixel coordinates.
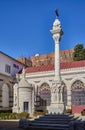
(9, 125)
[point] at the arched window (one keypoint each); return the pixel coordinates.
(78, 93)
(5, 96)
(45, 94)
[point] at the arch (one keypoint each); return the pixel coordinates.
(5, 96)
(45, 81)
(76, 79)
(44, 93)
(44, 85)
(78, 85)
(78, 96)
(65, 82)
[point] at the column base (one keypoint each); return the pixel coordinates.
(56, 108)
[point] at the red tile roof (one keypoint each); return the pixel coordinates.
(66, 65)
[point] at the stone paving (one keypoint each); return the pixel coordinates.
(9, 125)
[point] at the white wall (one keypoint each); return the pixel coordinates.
(5, 96)
(25, 95)
(9, 61)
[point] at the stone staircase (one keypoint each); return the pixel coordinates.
(53, 122)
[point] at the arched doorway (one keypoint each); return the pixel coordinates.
(44, 97)
(5, 96)
(78, 96)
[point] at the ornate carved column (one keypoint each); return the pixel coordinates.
(57, 105)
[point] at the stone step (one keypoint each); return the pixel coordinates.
(57, 117)
(49, 121)
(49, 126)
(43, 119)
(53, 122)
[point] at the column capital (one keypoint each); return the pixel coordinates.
(56, 37)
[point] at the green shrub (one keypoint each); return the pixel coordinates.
(69, 111)
(38, 113)
(5, 116)
(45, 112)
(14, 116)
(24, 115)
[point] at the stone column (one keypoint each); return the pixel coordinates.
(69, 92)
(56, 37)
(57, 105)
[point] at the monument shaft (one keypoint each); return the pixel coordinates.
(57, 105)
(57, 61)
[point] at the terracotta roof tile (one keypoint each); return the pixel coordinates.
(65, 65)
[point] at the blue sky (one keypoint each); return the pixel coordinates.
(25, 25)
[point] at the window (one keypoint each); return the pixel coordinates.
(45, 94)
(78, 93)
(15, 66)
(7, 68)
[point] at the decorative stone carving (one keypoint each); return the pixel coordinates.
(56, 37)
(56, 90)
(57, 105)
(15, 102)
(77, 85)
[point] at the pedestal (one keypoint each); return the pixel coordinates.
(57, 104)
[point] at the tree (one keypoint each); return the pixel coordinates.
(79, 52)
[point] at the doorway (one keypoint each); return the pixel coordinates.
(26, 106)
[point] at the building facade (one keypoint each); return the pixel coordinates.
(38, 82)
(53, 87)
(8, 69)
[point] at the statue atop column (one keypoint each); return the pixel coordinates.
(56, 11)
(57, 105)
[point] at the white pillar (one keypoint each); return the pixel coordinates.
(57, 105)
(69, 92)
(56, 38)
